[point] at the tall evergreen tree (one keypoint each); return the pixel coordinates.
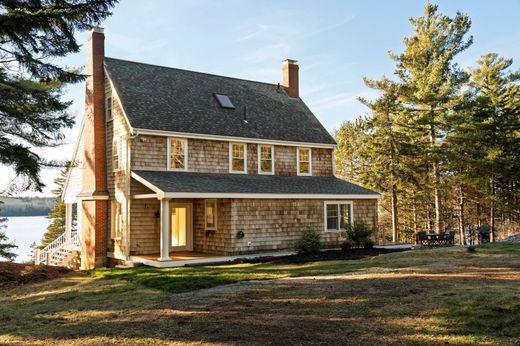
(6, 247)
(431, 83)
(57, 214)
(33, 34)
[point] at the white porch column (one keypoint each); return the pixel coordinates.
(165, 230)
(68, 222)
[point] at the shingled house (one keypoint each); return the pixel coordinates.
(172, 162)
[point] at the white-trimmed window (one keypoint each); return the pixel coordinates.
(108, 108)
(177, 154)
(116, 154)
(337, 215)
(265, 159)
(210, 214)
(117, 220)
(237, 157)
(304, 161)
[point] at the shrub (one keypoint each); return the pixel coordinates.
(309, 243)
(368, 244)
(360, 234)
(347, 245)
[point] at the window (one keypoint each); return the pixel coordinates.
(210, 214)
(224, 101)
(304, 157)
(338, 215)
(237, 157)
(116, 154)
(108, 108)
(178, 154)
(117, 220)
(265, 159)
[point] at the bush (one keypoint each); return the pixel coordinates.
(309, 243)
(368, 244)
(360, 234)
(347, 245)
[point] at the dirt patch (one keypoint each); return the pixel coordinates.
(18, 273)
(329, 255)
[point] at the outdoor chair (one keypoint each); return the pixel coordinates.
(422, 239)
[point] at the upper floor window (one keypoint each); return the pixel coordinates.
(265, 159)
(108, 108)
(116, 154)
(238, 158)
(338, 215)
(177, 154)
(304, 157)
(117, 220)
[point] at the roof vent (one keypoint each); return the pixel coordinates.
(224, 101)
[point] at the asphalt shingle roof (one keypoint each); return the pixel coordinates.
(169, 99)
(245, 183)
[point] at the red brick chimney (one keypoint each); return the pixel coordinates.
(94, 195)
(290, 77)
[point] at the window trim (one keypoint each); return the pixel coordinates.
(298, 161)
(338, 203)
(114, 234)
(107, 98)
(168, 154)
(214, 228)
(259, 149)
(117, 146)
(230, 161)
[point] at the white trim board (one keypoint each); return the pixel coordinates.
(138, 131)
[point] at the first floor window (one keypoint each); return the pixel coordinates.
(238, 157)
(338, 215)
(178, 153)
(117, 220)
(304, 161)
(265, 159)
(211, 214)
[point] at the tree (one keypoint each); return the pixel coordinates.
(6, 247)
(33, 34)
(57, 214)
(346, 157)
(430, 84)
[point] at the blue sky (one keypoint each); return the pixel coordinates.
(337, 43)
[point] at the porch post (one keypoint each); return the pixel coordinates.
(165, 230)
(68, 222)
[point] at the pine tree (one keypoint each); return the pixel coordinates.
(57, 214)
(349, 138)
(6, 247)
(431, 84)
(33, 34)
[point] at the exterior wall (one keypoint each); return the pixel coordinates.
(75, 179)
(267, 224)
(209, 156)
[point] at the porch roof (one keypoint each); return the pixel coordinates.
(206, 185)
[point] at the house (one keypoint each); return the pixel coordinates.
(171, 161)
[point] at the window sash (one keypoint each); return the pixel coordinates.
(338, 216)
(116, 154)
(117, 220)
(238, 157)
(108, 108)
(178, 153)
(304, 166)
(210, 214)
(266, 159)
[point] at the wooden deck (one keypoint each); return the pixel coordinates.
(179, 256)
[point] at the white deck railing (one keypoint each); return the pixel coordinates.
(58, 250)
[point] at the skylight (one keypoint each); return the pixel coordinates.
(224, 101)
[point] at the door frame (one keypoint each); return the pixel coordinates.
(189, 226)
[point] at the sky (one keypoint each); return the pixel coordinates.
(336, 43)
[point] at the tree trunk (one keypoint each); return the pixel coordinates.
(414, 206)
(461, 215)
(492, 212)
(395, 236)
(436, 173)
(479, 216)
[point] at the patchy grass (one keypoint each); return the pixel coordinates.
(432, 297)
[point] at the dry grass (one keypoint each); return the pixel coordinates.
(421, 297)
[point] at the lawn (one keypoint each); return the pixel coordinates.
(418, 297)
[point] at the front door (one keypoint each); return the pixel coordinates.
(181, 238)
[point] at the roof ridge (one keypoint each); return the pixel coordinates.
(198, 72)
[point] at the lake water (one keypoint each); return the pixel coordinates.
(24, 230)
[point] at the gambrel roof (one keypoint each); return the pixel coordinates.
(170, 99)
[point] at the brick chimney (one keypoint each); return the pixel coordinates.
(94, 195)
(290, 77)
